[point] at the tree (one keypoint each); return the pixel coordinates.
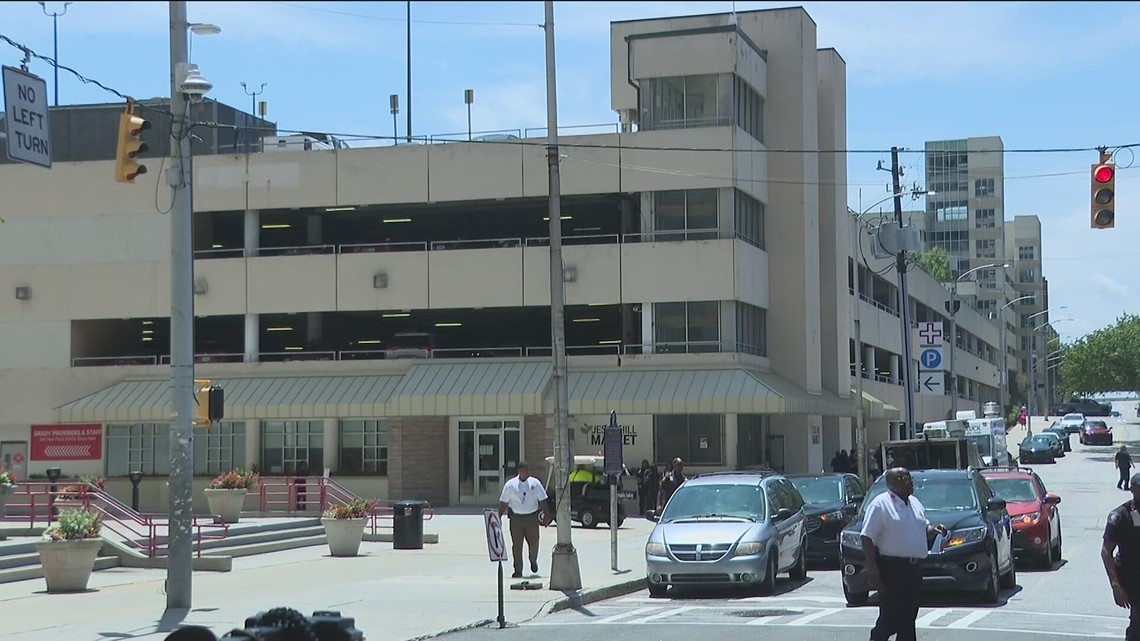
(935, 262)
(1107, 360)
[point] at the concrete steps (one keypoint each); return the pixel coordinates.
(19, 561)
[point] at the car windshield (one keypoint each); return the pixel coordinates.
(938, 493)
(1040, 439)
(1073, 417)
(1047, 436)
(712, 501)
(1100, 425)
(820, 491)
(984, 443)
(1014, 490)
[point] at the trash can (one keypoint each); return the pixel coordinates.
(408, 525)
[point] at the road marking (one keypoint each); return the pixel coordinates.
(925, 620)
(660, 615)
(972, 617)
(859, 626)
(804, 620)
(622, 615)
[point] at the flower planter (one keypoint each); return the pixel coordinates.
(68, 564)
(5, 492)
(226, 504)
(67, 504)
(344, 535)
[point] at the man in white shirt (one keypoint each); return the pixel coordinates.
(523, 499)
(896, 538)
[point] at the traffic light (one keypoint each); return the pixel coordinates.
(209, 403)
(130, 146)
(1104, 195)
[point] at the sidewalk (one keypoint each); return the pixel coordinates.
(393, 594)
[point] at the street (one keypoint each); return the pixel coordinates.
(1072, 599)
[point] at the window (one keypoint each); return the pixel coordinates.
(690, 214)
(984, 218)
(686, 327)
(697, 438)
(751, 329)
(987, 279)
(749, 114)
(286, 444)
(749, 219)
(983, 187)
(986, 248)
(1026, 275)
(138, 447)
(1025, 252)
(364, 447)
(985, 305)
(682, 103)
(950, 210)
(220, 448)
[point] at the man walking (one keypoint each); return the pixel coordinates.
(523, 499)
(896, 538)
(1120, 554)
(1123, 462)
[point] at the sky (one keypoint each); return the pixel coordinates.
(1040, 75)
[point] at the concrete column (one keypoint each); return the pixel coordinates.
(314, 230)
(896, 371)
(252, 232)
(252, 338)
(252, 443)
(252, 243)
(331, 444)
(647, 336)
(869, 363)
(314, 328)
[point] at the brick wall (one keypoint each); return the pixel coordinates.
(418, 460)
(538, 442)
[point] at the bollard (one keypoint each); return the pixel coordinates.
(53, 474)
(136, 478)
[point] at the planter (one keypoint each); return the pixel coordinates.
(344, 535)
(5, 492)
(68, 564)
(226, 504)
(67, 504)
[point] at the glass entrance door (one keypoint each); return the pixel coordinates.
(489, 465)
(489, 452)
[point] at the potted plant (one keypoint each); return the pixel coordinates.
(69, 550)
(7, 484)
(74, 496)
(226, 494)
(344, 526)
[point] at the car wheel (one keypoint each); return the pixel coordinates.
(657, 589)
(621, 519)
(588, 519)
(1057, 555)
(1048, 558)
(768, 587)
(799, 570)
(854, 598)
(990, 595)
(1009, 580)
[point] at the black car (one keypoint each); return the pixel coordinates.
(1037, 449)
(1063, 434)
(830, 503)
(1085, 406)
(978, 553)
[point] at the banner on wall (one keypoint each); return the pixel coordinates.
(636, 434)
(77, 442)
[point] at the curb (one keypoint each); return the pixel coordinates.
(586, 597)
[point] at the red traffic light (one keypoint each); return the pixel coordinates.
(1103, 174)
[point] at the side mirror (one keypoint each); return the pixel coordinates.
(996, 504)
(652, 515)
(857, 500)
(783, 514)
(1052, 499)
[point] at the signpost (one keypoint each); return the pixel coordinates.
(497, 551)
(613, 467)
(26, 109)
(929, 339)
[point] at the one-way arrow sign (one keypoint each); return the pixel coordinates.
(932, 383)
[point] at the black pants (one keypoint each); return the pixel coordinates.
(1132, 589)
(1123, 482)
(898, 605)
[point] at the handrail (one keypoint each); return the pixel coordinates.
(329, 493)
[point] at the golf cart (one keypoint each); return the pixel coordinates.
(589, 502)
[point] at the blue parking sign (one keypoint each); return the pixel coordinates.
(930, 359)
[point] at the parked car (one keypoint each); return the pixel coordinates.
(977, 555)
(1096, 433)
(1085, 406)
(728, 529)
(1073, 423)
(1062, 435)
(1037, 449)
(1033, 510)
(831, 502)
(1058, 446)
(410, 345)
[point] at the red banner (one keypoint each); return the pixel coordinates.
(83, 442)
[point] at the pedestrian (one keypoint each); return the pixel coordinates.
(836, 463)
(896, 538)
(524, 501)
(299, 483)
(673, 479)
(648, 482)
(1123, 462)
(1121, 556)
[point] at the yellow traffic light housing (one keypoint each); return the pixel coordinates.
(209, 403)
(1103, 214)
(130, 145)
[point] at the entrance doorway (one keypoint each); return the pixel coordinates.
(489, 454)
(14, 458)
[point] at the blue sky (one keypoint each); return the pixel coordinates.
(1040, 75)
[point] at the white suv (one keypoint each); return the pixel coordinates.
(1073, 423)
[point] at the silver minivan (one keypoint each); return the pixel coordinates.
(728, 529)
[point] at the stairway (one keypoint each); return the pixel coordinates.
(19, 560)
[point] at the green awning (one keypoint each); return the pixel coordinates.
(875, 409)
(471, 389)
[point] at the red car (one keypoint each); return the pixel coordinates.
(1096, 433)
(1033, 512)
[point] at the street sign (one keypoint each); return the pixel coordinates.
(930, 358)
(26, 109)
(613, 465)
(496, 544)
(932, 383)
(930, 334)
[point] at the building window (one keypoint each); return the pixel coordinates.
(985, 305)
(986, 248)
(983, 187)
(697, 438)
(749, 114)
(682, 103)
(286, 444)
(751, 329)
(950, 210)
(685, 214)
(984, 218)
(364, 447)
(1025, 252)
(1026, 275)
(220, 448)
(680, 328)
(138, 447)
(749, 219)
(987, 279)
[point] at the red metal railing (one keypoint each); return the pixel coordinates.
(40, 501)
(296, 493)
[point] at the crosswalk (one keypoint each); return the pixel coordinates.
(827, 611)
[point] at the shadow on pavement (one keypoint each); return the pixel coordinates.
(783, 586)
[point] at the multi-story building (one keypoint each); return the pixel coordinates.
(1023, 246)
(704, 288)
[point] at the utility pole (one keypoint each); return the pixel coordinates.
(904, 299)
(952, 311)
(179, 562)
(409, 114)
(565, 573)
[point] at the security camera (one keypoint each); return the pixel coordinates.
(192, 84)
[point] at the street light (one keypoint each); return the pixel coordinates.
(199, 29)
(252, 107)
(1032, 395)
(952, 310)
(1003, 379)
(55, 42)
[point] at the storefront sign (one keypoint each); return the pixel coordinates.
(636, 436)
(83, 442)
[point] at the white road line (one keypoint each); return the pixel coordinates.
(925, 620)
(622, 615)
(859, 626)
(661, 615)
(804, 620)
(772, 620)
(970, 618)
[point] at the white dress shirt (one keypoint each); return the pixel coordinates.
(897, 527)
(523, 497)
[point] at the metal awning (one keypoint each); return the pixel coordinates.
(286, 397)
(878, 410)
(471, 389)
(696, 391)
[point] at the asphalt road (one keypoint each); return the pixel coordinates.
(1071, 600)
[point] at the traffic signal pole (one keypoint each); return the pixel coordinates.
(904, 304)
(179, 560)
